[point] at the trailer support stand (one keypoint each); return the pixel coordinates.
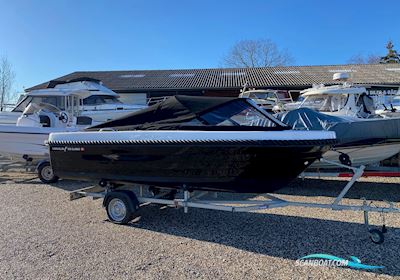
(358, 173)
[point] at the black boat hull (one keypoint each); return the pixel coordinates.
(257, 167)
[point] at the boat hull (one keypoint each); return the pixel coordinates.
(9, 118)
(20, 142)
(248, 166)
(16, 145)
(360, 155)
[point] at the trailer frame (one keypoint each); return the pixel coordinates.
(194, 199)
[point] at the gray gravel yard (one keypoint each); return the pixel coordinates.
(46, 236)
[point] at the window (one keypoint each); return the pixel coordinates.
(396, 100)
(325, 103)
(111, 100)
(23, 104)
(133, 98)
(57, 101)
(237, 114)
(100, 100)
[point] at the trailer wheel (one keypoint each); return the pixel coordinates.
(376, 236)
(46, 174)
(121, 206)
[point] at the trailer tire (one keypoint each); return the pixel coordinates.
(121, 206)
(46, 174)
(376, 236)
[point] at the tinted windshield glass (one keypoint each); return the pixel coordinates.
(325, 103)
(237, 114)
(22, 105)
(100, 99)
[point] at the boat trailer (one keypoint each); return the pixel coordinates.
(122, 202)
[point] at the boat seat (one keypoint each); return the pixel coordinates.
(45, 121)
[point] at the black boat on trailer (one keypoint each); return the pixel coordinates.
(177, 151)
(212, 144)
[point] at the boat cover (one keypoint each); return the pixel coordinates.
(176, 112)
(348, 132)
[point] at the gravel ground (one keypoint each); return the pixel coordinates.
(46, 236)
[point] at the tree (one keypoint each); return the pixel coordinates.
(7, 77)
(256, 53)
(392, 55)
(360, 59)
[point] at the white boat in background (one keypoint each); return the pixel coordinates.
(94, 101)
(345, 100)
(367, 155)
(64, 108)
(361, 141)
(25, 141)
(9, 117)
(390, 109)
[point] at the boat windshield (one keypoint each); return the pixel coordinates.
(325, 103)
(237, 114)
(396, 100)
(101, 100)
(35, 108)
(57, 101)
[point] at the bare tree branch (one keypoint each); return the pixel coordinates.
(256, 53)
(7, 77)
(373, 59)
(360, 59)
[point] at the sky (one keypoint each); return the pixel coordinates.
(45, 39)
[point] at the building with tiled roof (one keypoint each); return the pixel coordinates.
(229, 81)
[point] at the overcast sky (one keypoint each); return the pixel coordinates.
(45, 39)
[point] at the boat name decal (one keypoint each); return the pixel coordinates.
(68, 149)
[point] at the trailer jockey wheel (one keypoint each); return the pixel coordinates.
(121, 206)
(46, 174)
(345, 159)
(376, 236)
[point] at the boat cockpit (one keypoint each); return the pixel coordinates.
(190, 113)
(52, 111)
(91, 102)
(337, 100)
